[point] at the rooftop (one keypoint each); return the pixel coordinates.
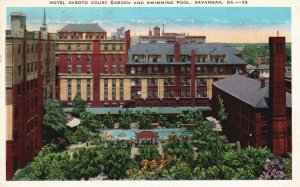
(82, 28)
(248, 90)
(165, 49)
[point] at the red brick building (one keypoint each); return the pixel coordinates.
(30, 78)
(258, 115)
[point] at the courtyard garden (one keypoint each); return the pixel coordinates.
(91, 151)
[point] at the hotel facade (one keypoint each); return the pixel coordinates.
(108, 72)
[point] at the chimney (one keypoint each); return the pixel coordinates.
(177, 51)
(262, 82)
(277, 95)
(127, 44)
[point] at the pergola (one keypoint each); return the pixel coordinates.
(146, 137)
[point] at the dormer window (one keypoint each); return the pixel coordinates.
(139, 58)
(170, 58)
(185, 58)
(201, 58)
(154, 58)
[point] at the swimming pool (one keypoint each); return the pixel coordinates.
(130, 134)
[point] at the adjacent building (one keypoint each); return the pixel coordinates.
(258, 114)
(156, 36)
(30, 78)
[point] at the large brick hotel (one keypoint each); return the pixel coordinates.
(111, 74)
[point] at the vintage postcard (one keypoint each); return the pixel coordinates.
(149, 92)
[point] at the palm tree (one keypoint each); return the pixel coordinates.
(108, 120)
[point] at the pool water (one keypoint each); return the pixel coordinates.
(130, 134)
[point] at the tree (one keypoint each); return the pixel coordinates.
(87, 163)
(48, 165)
(108, 120)
(90, 121)
(180, 148)
(54, 120)
(170, 168)
(191, 117)
(78, 106)
(211, 146)
(145, 119)
(82, 134)
(125, 119)
(219, 172)
(222, 113)
(250, 53)
(149, 152)
(249, 162)
(162, 120)
(117, 162)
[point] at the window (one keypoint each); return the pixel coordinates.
(121, 83)
(114, 70)
(221, 70)
(113, 82)
(139, 70)
(28, 48)
(19, 48)
(113, 47)
(105, 94)
(215, 69)
(105, 46)
(121, 47)
(198, 69)
(172, 81)
(105, 58)
(105, 83)
(105, 69)
(69, 46)
(166, 69)
(69, 58)
(132, 70)
(188, 69)
(79, 86)
(88, 47)
(155, 69)
(88, 69)
(79, 69)
(32, 48)
(69, 89)
(182, 69)
(122, 58)
(113, 95)
(172, 70)
(89, 58)
(149, 69)
(19, 69)
(78, 46)
(121, 69)
(78, 58)
(69, 69)
(170, 58)
(113, 58)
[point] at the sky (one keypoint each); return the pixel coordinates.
(222, 24)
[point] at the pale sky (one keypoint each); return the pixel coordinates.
(231, 25)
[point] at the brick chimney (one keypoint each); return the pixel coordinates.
(277, 95)
(177, 51)
(127, 44)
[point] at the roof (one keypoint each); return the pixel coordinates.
(248, 90)
(72, 122)
(82, 28)
(165, 49)
(157, 110)
(146, 134)
(18, 14)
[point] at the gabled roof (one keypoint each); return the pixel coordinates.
(146, 134)
(82, 28)
(248, 90)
